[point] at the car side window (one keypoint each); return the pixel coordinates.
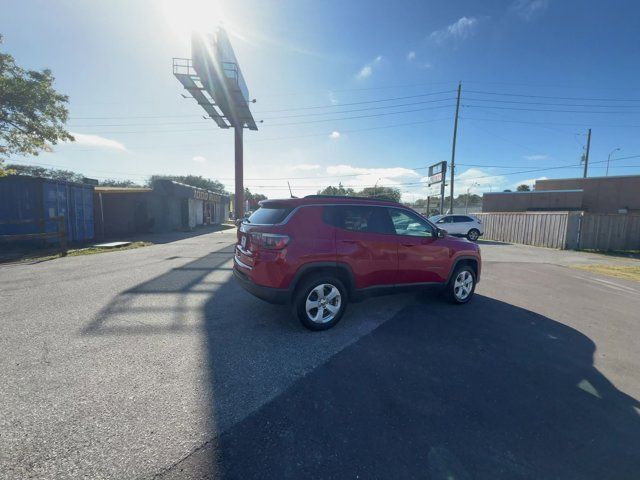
(363, 219)
(461, 219)
(407, 223)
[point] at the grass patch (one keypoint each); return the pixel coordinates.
(93, 250)
(46, 255)
(626, 272)
(615, 253)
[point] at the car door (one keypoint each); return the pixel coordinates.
(422, 256)
(366, 242)
(463, 224)
(446, 223)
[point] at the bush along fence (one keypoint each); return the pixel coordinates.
(53, 228)
(564, 230)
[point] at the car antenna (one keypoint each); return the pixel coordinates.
(290, 192)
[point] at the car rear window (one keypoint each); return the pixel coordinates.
(269, 215)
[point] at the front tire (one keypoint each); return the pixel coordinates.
(473, 235)
(462, 285)
(320, 302)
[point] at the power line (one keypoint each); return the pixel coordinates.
(337, 105)
(551, 123)
(617, 112)
(360, 116)
(549, 103)
(554, 97)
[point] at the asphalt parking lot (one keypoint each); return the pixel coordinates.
(153, 363)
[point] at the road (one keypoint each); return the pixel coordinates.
(153, 363)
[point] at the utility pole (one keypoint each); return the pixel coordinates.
(586, 155)
(453, 148)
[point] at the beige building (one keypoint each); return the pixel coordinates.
(620, 194)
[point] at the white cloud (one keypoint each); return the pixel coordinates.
(461, 29)
(536, 157)
(305, 167)
(367, 69)
(411, 56)
(394, 172)
(334, 135)
(529, 9)
(97, 141)
(332, 98)
(478, 181)
(365, 72)
(199, 159)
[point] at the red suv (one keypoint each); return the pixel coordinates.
(318, 252)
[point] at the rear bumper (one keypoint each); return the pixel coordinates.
(268, 294)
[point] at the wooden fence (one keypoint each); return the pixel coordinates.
(610, 232)
(61, 232)
(564, 230)
(542, 229)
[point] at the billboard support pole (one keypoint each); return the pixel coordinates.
(239, 174)
(442, 186)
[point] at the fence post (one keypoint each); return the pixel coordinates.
(62, 230)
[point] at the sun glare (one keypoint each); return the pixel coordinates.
(185, 16)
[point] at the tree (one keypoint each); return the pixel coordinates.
(506, 191)
(193, 180)
(52, 173)
(32, 113)
(337, 191)
(384, 193)
(523, 188)
(118, 183)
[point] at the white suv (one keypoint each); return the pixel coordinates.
(464, 225)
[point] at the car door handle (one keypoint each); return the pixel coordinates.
(409, 244)
(352, 242)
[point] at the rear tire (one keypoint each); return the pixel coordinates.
(462, 285)
(320, 302)
(473, 235)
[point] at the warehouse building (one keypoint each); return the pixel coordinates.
(167, 206)
(619, 194)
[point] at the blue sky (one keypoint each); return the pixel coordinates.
(535, 75)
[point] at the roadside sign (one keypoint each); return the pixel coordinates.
(438, 175)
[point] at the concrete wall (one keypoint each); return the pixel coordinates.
(566, 199)
(601, 194)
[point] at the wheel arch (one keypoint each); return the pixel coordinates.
(469, 260)
(340, 270)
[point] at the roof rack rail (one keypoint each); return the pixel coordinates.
(353, 197)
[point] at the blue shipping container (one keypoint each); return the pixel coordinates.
(31, 198)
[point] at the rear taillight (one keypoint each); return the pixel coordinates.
(271, 241)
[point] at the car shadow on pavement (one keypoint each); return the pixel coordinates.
(486, 390)
(405, 386)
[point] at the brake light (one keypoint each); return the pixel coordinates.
(271, 241)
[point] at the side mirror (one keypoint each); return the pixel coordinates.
(442, 233)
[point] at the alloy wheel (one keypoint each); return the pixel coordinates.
(463, 285)
(323, 303)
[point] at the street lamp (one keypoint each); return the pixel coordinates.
(609, 159)
(466, 200)
(375, 187)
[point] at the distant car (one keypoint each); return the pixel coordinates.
(319, 252)
(460, 225)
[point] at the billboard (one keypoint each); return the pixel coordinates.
(219, 72)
